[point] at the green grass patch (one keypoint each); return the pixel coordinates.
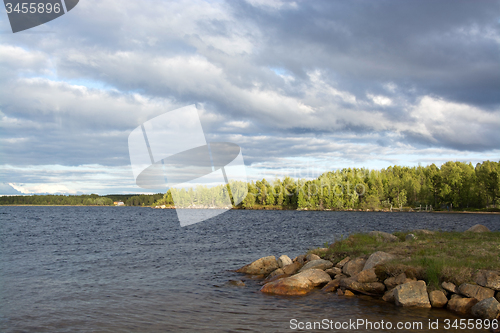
(437, 257)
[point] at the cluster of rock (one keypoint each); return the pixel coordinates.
(352, 276)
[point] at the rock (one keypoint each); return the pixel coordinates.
(477, 292)
(312, 256)
(263, 265)
(461, 305)
(340, 276)
(488, 279)
(367, 276)
(317, 264)
(354, 266)
(378, 258)
(301, 259)
(389, 296)
(410, 237)
(234, 283)
(273, 278)
(348, 293)
(298, 284)
(456, 296)
(340, 292)
(333, 271)
(488, 308)
(292, 268)
(412, 294)
(392, 282)
(342, 262)
(284, 260)
(331, 286)
(372, 288)
(383, 236)
(437, 298)
(449, 287)
(478, 228)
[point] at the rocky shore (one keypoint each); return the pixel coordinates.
(383, 275)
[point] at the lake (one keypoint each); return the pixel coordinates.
(130, 269)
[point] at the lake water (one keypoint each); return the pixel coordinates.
(127, 269)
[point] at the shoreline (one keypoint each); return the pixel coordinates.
(456, 271)
(274, 209)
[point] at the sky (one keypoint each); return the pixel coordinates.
(302, 87)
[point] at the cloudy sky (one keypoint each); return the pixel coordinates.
(301, 86)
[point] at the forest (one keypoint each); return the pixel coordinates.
(454, 185)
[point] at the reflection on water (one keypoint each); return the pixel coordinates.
(109, 269)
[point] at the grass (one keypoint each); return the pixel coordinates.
(442, 256)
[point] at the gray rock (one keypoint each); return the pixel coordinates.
(389, 296)
(461, 305)
(354, 266)
(317, 264)
(383, 236)
(292, 268)
(412, 294)
(392, 282)
(378, 258)
(342, 262)
(477, 292)
(284, 260)
(298, 284)
(312, 256)
(372, 288)
(367, 276)
(331, 286)
(488, 279)
(260, 266)
(437, 298)
(488, 308)
(333, 271)
(450, 287)
(478, 228)
(410, 237)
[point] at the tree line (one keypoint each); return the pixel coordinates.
(453, 185)
(82, 200)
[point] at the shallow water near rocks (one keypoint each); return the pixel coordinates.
(127, 269)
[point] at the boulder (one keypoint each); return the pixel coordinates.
(456, 296)
(389, 296)
(378, 258)
(284, 260)
(486, 309)
(383, 236)
(372, 288)
(234, 283)
(392, 282)
(410, 237)
(331, 286)
(301, 259)
(478, 228)
(292, 268)
(474, 291)
(342, 262)
(298, 284)
(354, 266)
(312, 256)
(367, 276)
(449, 287)
(333, 271)
(317, 264)
(461, 305)
(488, 279)
(412, 294)
(437, 298)
(260, 266)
